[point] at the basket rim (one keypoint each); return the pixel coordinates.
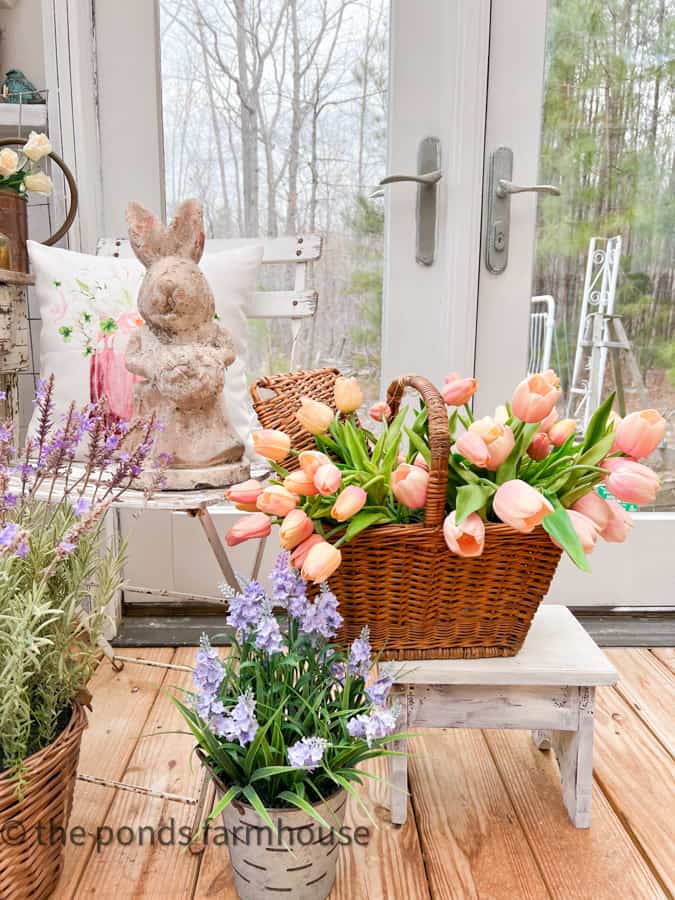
(72, 730)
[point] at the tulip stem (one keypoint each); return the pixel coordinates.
(469, 414)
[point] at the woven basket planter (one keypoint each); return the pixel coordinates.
(30, 862)
(420, 600)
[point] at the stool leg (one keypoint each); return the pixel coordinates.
(398, 770)
(574, 751)
(542, 739)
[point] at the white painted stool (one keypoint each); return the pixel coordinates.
(548, 688)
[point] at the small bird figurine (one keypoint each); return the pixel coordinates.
(17, 88)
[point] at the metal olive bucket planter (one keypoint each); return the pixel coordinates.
(297, 859)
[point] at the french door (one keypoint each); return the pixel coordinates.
(403, 89)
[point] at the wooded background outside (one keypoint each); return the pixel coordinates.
(275, 116)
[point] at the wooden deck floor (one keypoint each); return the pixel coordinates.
(485, 820)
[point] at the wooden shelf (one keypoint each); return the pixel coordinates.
(26, 115)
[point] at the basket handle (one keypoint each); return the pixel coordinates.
(439, 440)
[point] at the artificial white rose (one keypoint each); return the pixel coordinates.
(37, 146)
(9, 162)
(39, 183)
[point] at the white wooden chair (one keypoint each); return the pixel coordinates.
(298, 304)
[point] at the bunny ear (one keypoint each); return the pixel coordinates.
(147, 235)
(185, 236)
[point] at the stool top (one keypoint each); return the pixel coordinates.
(557, 651)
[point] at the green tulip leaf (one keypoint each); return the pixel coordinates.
(559, 525)
(598, 424)
(471, 498)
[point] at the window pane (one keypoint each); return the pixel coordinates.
(275, 117)
(608, 140)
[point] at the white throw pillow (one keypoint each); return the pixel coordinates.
(88, 309)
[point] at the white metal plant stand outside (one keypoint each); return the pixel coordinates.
(547, 688)
(542, 328)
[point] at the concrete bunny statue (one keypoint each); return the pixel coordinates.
(181, 352)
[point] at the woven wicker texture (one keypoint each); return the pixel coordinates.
(279, 409)
(419, 599)
(30, 862)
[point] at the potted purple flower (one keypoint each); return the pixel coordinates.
(57, 575)
(283, 723)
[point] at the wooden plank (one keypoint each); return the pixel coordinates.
(300, 249)
(283, 305)
(574, 863)
(636, 774)
(556, 651)
(121, 704)
(137, 863)
(666, 656)
(486, 706)
(649, 688)
(472, 841)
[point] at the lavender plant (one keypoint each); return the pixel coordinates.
(57, 573)
(288, 716)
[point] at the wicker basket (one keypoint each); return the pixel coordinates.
(419, 599)
(30, 861)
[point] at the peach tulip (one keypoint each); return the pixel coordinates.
(619, 525)
(630, 481)
(244, 495)
(457, 391)
(521, 506)
(540, 446)
(275, 500)
(550, 420)
(327, 479)
(586, 529)
(498, 439)
(349, 502)
(561, 431)
(379, 411)
(593, 506)
(421, 462)
(296, 528)
(299, 554)
(640, 433)
(310, 460)
(472, 447)
(535, 397)
(615, 420)
(314, 416)
(321, 561)
(256, 525)
(466, 539)
(348, 394)
(271, 444)
(300, 483)
(409, 485)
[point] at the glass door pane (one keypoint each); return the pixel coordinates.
(606, 246)
(275, 116)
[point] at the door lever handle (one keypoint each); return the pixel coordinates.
(505, 187)
(429, 173)
(427, 178)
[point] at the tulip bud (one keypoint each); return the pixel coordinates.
(595, 508)
(560, 431)
(457, 391)
(245, 495)
(472, 447)
(299, 555)
(310, 460)
(640, 433)
(498, 439)
(275, 500)
(327, 479)
(421, 462)
(409, 485)
(619, 524)
(540, 446)
(550, 420)
(586, 529)
(519, 505)
(349, 502)
(631, 481)
(271, 444)
(379, 411)
(300, 483)
(466, 539)
(256, 525)
(535, 396)
(348, 394)
(320, 563)
(295, 528)
(314, 416)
